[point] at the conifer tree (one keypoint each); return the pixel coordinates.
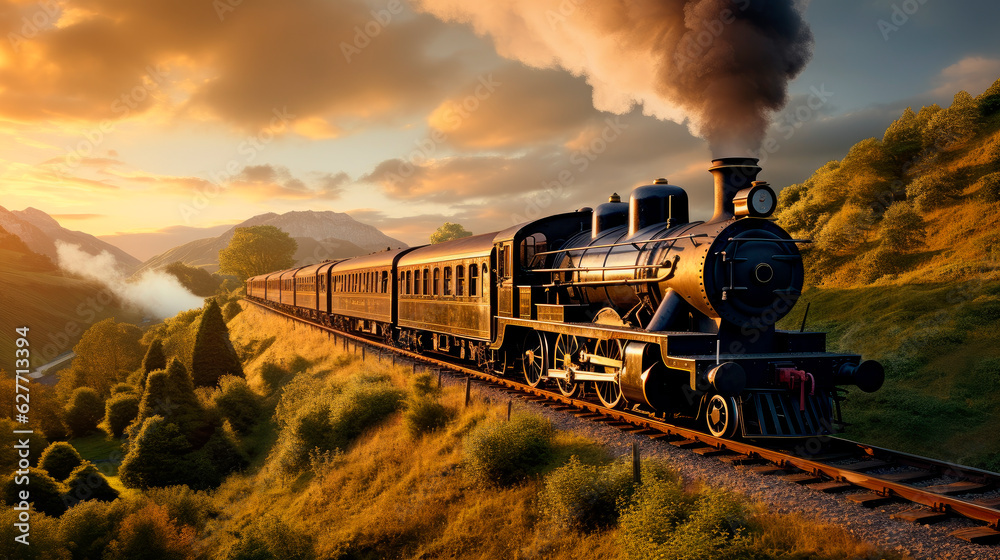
(214, 354)
(155, 359)
(157, 457)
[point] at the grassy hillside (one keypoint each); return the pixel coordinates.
(55, 307)
(905, 269)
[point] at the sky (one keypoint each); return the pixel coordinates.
(153, 117)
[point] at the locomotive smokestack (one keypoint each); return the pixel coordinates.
(731, 174)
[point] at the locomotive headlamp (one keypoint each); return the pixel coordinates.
(757, 200)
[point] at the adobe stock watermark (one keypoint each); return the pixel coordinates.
(365, 34)
(248, 149)
(45, 17)
(554, 189)
(454, 115)
(900, 16)
(792, 120)
(122, 106)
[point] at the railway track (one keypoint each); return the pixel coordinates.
(937, 489)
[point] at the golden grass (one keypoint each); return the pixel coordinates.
(391, 495)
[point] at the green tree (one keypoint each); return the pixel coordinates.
(119, 411)
(449, 231)
(155, 359)
(59, 459)
(84, 411)
(214, 354)
(106, 354)
(952, 126)
(846, 230)
(158, 456)
(902, 227)
(170, 394)
(257, 250)
(87, 483)
(198, 281)
(989, 100)
(902, 139)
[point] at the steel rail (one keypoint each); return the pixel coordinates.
(658, 429)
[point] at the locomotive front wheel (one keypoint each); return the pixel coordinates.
(536, 358)
(722, 416)
(609, 392)
(567, 347)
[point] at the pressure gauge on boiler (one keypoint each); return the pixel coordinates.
(758, 201)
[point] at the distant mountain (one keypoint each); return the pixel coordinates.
(39, 232)
(148, 245)
(321, 235)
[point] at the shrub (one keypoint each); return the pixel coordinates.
(237, 403)
(503, 453)
(87, 528)
(272, 375)
(877, 263)
(928, 192)
(987, 187)
(335, 420)
(119, 411)
(59, 460)
(124, 388)
(87, 483)
(664, 522)
(150, 534)
(902, 228)
(423, 385)
(269, 538)
(46, 492)
(425, 415)
(43, 543)
(184, 505)
(231, 310)
(84, 411)
(586, 497)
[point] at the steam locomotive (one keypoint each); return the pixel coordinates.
(629, 303)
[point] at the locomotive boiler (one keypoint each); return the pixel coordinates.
(630, 303)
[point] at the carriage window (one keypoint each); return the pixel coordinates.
(530, 247)
(473, 279)
(437, 281)
(459, 280)
(447, 281)
(486, 279)
(385, 281)
(409, 282)
(416, 282)
(427, 274)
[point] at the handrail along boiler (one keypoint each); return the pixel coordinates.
(629, 303)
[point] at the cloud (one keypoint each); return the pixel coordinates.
(267, 182)
(107, 59)
(973, 74)
(155, 292)
(513, 107)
